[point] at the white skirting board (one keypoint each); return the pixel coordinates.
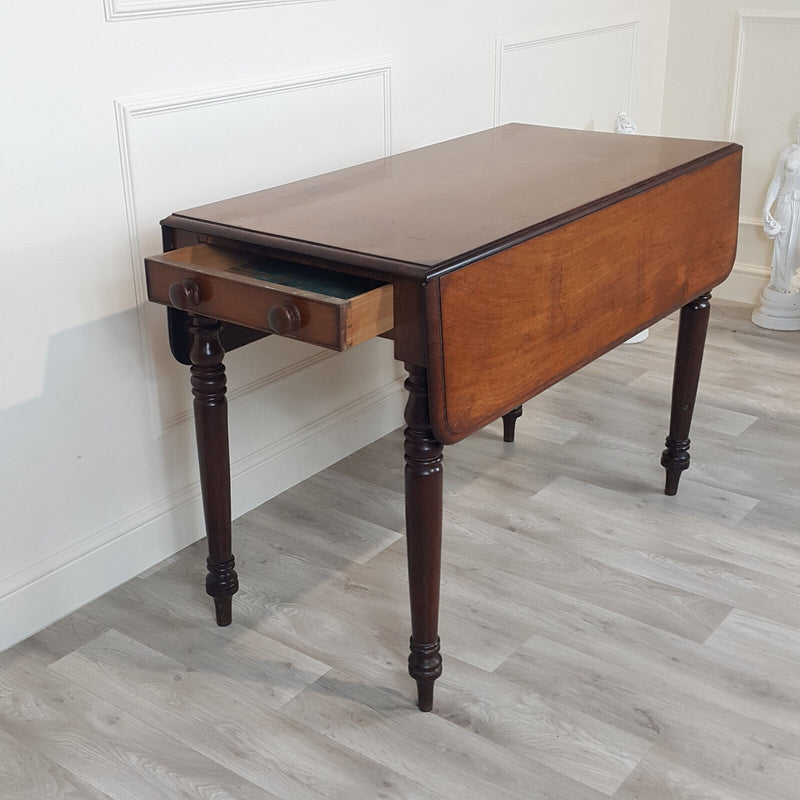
(743, 285)
(48, 592)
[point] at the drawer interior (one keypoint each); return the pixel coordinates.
(321, 306)
(252, 267)
(306, 278)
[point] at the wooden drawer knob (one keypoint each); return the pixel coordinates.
(284, 318)
(184, 294)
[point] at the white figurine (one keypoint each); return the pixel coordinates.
(624, 124)
(780, 302)
(783, 197)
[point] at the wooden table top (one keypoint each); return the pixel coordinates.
(431, 210)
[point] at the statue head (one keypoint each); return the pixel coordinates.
(624, 124)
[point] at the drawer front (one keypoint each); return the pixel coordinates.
(323, 307)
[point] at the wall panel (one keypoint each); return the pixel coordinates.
(730, 77)
(574, 79)
(185, 148)
(762, 102)
(117, 10)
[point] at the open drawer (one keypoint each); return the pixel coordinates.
(332, 309)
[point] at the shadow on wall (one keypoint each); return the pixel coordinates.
(82, 452)
(91, 498)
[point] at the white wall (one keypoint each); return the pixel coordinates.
(114, 115)
(732, 75)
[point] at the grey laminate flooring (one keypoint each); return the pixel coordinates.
(600, 640)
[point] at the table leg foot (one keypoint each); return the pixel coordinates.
(223, 609)
(688, 360)
(674, 459)
(510, 422)
(211, 428)
(424, 480)
(424, 666)
(221, 584)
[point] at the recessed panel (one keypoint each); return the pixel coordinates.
(198, 147)
(767, 98)
(135, 9)
(579, 79)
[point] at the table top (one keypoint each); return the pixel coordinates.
(428, 211)
(514, 256)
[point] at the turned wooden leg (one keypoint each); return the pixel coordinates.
(423, 535)
(688, 359)
(510, 422)
(211, 427)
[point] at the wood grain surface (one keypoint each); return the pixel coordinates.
(333, 309)
(419, 212)
(516, 323)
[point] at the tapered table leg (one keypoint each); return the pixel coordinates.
(211, 427)
(423, 477)
(688, 359)
(510, 423)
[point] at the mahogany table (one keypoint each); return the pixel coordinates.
(499, 263)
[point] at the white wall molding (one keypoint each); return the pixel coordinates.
(744, 285)
(752, 221)
(744, 19)
(121, 10)
(43, 592)
(506, 45)
(175, 102)
(747, 279)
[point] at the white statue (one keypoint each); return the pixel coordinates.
(783, 198)
(624, 124)
(780, 302)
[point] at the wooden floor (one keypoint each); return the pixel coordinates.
(599, 639)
